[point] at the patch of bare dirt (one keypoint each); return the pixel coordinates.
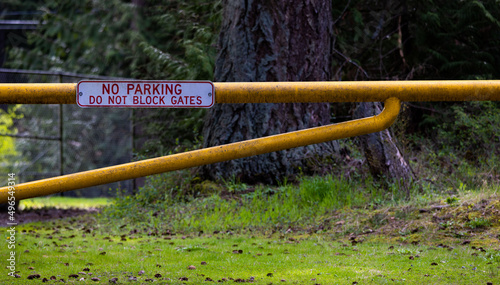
(29, 216)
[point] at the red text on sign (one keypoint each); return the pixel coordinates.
(154, 89)
(117, 99)
(186, 100)
(95, 99)
(156, 100)
(114, 89)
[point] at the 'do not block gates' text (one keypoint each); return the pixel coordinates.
(155, 94)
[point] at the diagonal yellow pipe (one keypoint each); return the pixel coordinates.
(208, 155)
(290, 92)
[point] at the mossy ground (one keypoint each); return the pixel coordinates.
(67, 250)
(447, 241)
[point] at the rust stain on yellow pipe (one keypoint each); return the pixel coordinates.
(357, 91)
(208, 155)
(38, 93)
(290, 92)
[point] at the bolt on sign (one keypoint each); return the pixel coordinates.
(148, 94)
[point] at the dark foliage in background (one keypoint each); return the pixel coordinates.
(140, 40)
(425, 40)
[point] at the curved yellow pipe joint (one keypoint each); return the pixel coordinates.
(289, 92)
(208, 155)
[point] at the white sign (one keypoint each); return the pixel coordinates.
(151, 94)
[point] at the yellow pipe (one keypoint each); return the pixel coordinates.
(208, 155)
(38, 93)
(356, 91)
(290, 92)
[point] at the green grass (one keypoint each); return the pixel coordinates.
(309, 206)
(394, 243)
(64, 203)
(261, 208)
(50, 250)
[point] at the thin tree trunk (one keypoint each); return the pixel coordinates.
(261, 40)
(381, 151)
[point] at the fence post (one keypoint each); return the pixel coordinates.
(61, 139)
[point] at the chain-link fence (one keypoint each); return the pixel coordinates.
(53, 140)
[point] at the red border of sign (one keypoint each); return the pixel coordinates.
(145, 81)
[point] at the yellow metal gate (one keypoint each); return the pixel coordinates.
(390, 92)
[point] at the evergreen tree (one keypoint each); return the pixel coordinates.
(270, 41)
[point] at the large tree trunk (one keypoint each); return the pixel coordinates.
(261, 40)
(381, 151)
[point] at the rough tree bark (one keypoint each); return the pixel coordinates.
(261, 40)
(381, 151)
